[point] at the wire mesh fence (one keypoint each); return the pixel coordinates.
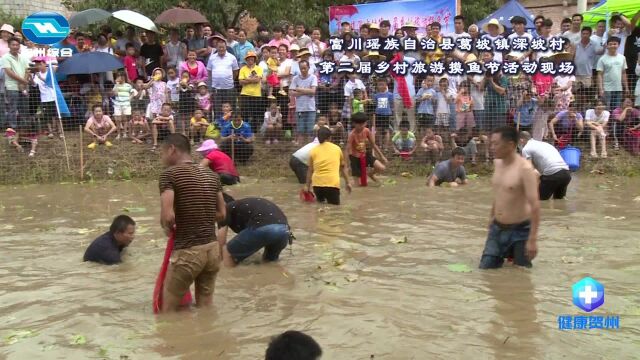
(260, 115)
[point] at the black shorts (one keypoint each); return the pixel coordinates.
(383, 122)
(554, 184)
(355, 163)
(228, 179)
(48, 110)
(299, 168)
(163, 131)
(329, 194)
(426, 121)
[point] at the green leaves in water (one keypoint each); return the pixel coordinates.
(401, 240)
(78, 340)
(18, 335)
(472, 176)
(390, 182)
(459, 268)
(134, 209)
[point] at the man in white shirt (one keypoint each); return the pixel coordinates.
(493, 30)
(518, 23)
(573, 35)
(223, 69)
(599, 37)
(621, 28)
(554, 171)
(458, 27)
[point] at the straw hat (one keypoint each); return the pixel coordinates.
(8, 28)
(409, 25)
(294, 47)
(495, 22)
(373, 55)
(208, 145)
(216, 36)
(251, 54)
(303, 52)
(562, 56)
(374, 27)
(470, 58)
(202, 83)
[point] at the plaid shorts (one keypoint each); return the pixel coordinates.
(442, 119)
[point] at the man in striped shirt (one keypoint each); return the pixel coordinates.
(191, 203)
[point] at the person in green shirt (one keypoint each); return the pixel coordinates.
(358, 101)
(404, 141)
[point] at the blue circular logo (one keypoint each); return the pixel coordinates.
(45, 28)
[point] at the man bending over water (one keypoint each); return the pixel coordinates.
(107, 248)
(191, 203)
(515, 214)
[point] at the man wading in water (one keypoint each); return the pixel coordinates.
(191, 203)
(515, 214)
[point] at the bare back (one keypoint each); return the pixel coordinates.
(508, 182)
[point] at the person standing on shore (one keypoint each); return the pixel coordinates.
(515, 214)
(191, 204)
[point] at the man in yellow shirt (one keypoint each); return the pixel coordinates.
(250, 77)
(326, 165)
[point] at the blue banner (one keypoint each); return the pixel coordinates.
(61, 104)
(419, 12)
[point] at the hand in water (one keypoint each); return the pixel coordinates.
(532, 250)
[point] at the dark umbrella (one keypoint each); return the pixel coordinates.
(180, 16)
(89, 63)
(88, 17)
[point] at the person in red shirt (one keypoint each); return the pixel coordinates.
(130, 63)
(218, 162)
(361, 143)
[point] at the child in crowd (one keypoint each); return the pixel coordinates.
(384, 104)
(139, 127)
(186, 101)
(162, 124)
(227, 115)
(426, 96)
(172, 85)
(444, 97)
(464, 109)
(469, 142)
(432, 145)
(404, 141)
(131, 63)
(596, 120)
(92, 93)
(525, 112)
(353, 83)
(47, 100)
(272, 77)
(158, 93)
(272, 124)
(99, 126)
(122, 93)
(358, 101)
(335, 123)
(139, 99)
(362, 144)
(22, 135)
(199, 126)
(562, 86)
(203, 98)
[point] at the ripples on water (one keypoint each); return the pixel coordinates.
(346, 283)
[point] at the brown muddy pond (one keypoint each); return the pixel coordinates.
(348, 283)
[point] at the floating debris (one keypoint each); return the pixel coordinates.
(78, 340)
(18, 335)
(406, 174)
(459, 268)
(401, 240)
(134, 209)
(572, 259)
(351, 278)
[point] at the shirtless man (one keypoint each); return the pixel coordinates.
(515, 214)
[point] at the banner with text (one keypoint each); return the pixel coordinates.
(419, 12)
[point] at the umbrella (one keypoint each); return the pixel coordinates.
(180, 16)
(89, 63)
(135, 19)
(88, 17)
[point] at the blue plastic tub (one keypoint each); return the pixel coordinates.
(571, 156)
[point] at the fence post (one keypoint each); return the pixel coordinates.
(81, 156)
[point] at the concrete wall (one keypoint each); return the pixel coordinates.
(554, 9)
(22, 8)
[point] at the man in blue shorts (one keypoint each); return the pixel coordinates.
(515, 214)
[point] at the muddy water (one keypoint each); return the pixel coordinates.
(347, 284)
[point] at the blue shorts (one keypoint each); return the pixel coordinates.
(305, 121)
(506, 241)
(273, 238)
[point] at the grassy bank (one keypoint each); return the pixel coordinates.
(125, 161)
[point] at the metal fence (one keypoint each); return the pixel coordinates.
(114, 126)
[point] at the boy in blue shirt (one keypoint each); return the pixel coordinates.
(527, 106)
(426, 96)
(238, 132)
(383, 100)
